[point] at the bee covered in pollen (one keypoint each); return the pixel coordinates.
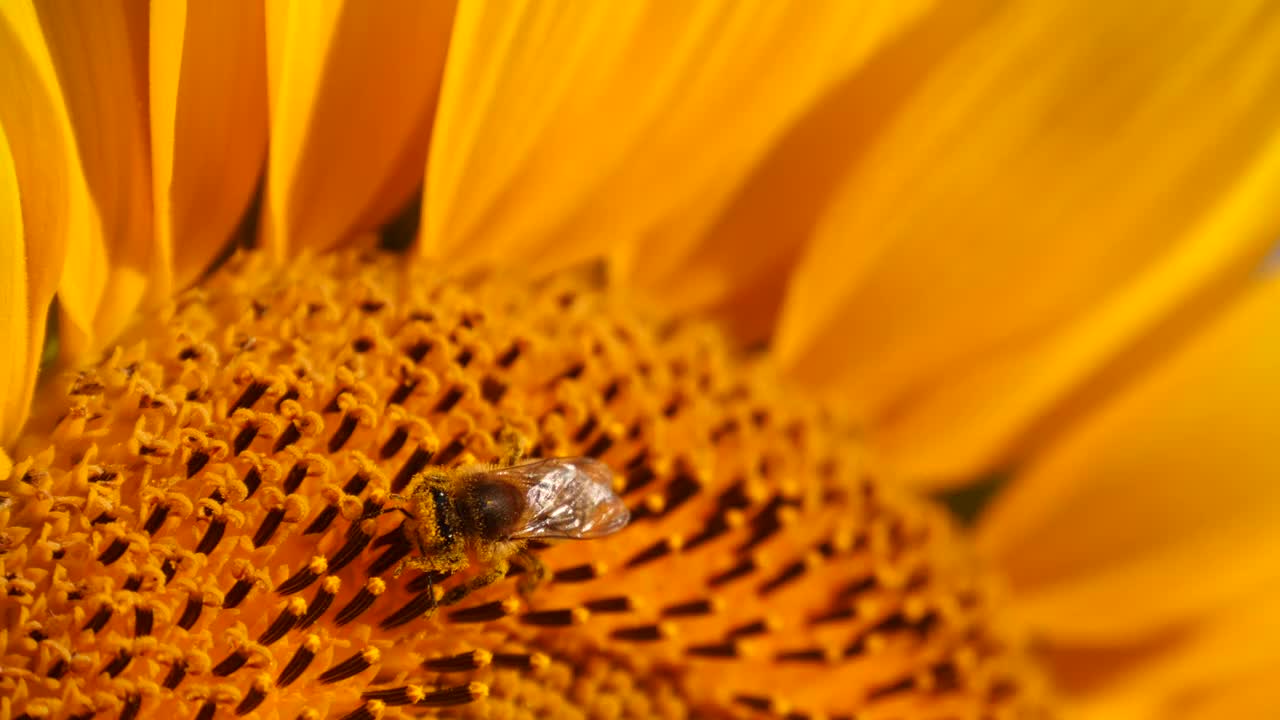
(488, 512)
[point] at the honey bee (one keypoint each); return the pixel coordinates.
(489, 512)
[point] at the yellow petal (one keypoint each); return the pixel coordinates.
(59, 216)
(569, 129)
(18, 364)
(351, 89)
(208, 124)
(1070, 177)
(98, 52)
(738, 270)
(1163, 501)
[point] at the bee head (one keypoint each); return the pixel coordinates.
(490, 508)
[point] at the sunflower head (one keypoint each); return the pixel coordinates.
(239, 494)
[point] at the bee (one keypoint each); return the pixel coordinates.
(489, 512)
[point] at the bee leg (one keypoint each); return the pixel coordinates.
(489, 577)
(513, 446)
(535, 572)
(417, 563)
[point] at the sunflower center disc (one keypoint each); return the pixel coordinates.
(195, 529)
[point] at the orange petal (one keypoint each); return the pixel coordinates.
(352, 89)
(569, 129)
(1026, 219)
(1160, 503)
(98, 52)
(1223, 667)
(208, 125)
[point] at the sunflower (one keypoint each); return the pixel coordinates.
(786, 268)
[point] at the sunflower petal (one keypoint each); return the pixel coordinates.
(17, 369)
(59, 217)
(569, 129)
(1162, 502)
(738, 269)
(1027, 218)
(1223, 667)
(98, 53)
(208, 125)
(352, 89)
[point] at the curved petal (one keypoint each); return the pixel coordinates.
(351, 88)
(738, 270)
(1031, 215)
(1223, 667)
(98, 52)
(18, 323)
(208, 125)
(568, 130)
(1161, 503)
(59, 217)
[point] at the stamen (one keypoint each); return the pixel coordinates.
(325, 594)
(660, 549)
(302, 579)
(361, 602)
(132, 706)
(252, 394)
(643, 633)
(212, 536)
(143, 620)
(705, 606)
(156, 520)
(610, 605)
(114, 551)
(252, 699)
(354, 665)
(416, 463)
(357, 540)
(578, 573)
(422, 604)
(487, 612)
(177, 672)
(99, 619)
(404, 695)
(291, 435)
(118, 663)
(460, 695)
(473, 660)
(724, 651)
(284, 622)
(244, 439)
(237, 593)
(302, 658)
(521, 661)
(556, 618)
(231, 663)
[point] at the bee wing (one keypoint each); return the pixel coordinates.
(567, 498)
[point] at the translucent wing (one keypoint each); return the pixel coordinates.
(567, 498)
